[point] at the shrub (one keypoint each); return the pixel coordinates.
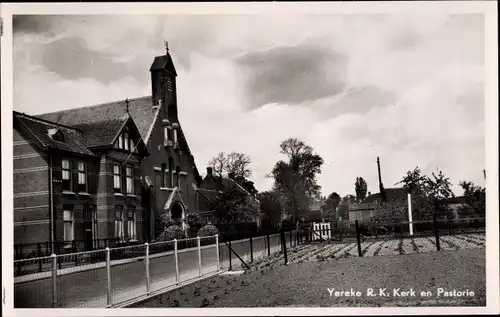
(171, 233)
(207, 231)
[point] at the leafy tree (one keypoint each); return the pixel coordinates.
(295, 178)
(343, 209)
(234, 164)
(428, 193)
(330, 205)
(361, 188)
(233, 205)
(475, 199)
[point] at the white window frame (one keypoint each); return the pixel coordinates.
(131, 224)
(129, 179)
(132, 146)
(82, 176)
(119, 223)
(117, 178)
(120, 141)
(126, 142)
(68, 217)
(66, 173)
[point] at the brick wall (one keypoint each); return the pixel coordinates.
(31, 190)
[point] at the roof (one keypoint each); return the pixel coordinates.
(74, 139)
(206, 198)
(454, 200)
(101, 133)
(141, 110)
(163, 62)
(392, 194)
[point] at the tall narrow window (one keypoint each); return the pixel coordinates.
(82, 177)
(131, 224)
(169, 84)
(130, 179)
(94, 224)
(178, 176)
(171, 172)
(165, 131)
(117, 179)
(164, 175)
(69, 227)
(120, 141)
(175, 135)
(66, 175)
(119, 222)
(126, 141)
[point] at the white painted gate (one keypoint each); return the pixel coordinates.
(321, 231)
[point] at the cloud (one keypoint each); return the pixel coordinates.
(292, 75)
(407, 88)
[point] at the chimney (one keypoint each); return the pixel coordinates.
(369, 193)
(231, 176)
(379, 176)
(209, 171)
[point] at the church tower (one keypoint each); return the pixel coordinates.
(163, 83)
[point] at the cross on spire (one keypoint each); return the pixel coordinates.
(166, 46)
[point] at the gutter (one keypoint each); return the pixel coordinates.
(51, 204)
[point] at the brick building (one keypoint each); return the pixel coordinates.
(76, 184)
(211, 186)
(164, 169)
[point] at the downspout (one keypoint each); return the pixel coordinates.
(51, 204)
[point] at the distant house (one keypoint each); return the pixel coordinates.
(66, 178)
(213, 185)
(364, 211)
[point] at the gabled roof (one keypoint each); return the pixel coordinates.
(141, 110)
(74, 139)
(163, 63)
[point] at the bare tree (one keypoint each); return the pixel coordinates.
(232, 164)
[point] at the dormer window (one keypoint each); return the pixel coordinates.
(55, 134)
(125, 142)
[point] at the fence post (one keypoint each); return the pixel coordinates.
(217, 251)
(39, 254)
(108, 275)
(268, 245)
(358, 237)
(251, 248)
(230, 257)
(436, 232)
(54, 280)
(148, 278)
(283, 244)
(176, 256)
(199, 255)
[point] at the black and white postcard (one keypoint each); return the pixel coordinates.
(250, 158)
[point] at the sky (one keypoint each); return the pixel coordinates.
(406, 88)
